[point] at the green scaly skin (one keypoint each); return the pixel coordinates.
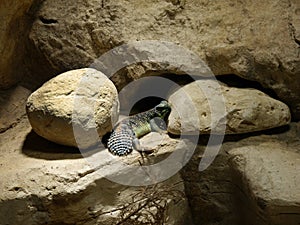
(124, 137)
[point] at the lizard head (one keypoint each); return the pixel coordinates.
(163, 109)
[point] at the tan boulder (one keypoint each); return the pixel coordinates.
(84, 100)
(235, 110)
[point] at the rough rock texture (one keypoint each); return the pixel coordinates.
(211, 193)
(83, 99)
(220, 196)
(269, 176)
(241, 38)
(12, 106)
(15, 27)
(45, 183)
(246, 110)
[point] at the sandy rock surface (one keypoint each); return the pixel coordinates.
(46, 183)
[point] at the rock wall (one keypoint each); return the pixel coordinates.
(15, 27)
(241, 38)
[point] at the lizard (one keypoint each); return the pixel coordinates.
(124, 137)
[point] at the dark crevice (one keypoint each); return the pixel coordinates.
(297, 41)
(293, 34)
(231, 80)
(47, 21)
(12, 125)
(3, 130)
(145, 104)
(80, 47)
(239, 82)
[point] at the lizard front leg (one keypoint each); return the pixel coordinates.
(154, 124)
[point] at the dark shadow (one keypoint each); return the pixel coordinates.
(236, 81)
(203, 139)
(270, 132)
(181, 80)
(145, 104)
(37, 147)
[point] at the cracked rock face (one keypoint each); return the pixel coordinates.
(82, 100)
(239, 38)
(236, 110)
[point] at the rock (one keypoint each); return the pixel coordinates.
(139, 59)
(268, 174)
(237, 38)
(83, 100)
(12, 110)
(212, 194)
(14, 31)
(246, 110)
(216, 195)
(51, 184)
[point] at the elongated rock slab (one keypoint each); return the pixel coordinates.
(209, 106)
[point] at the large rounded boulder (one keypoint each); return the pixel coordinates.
(84, 100)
